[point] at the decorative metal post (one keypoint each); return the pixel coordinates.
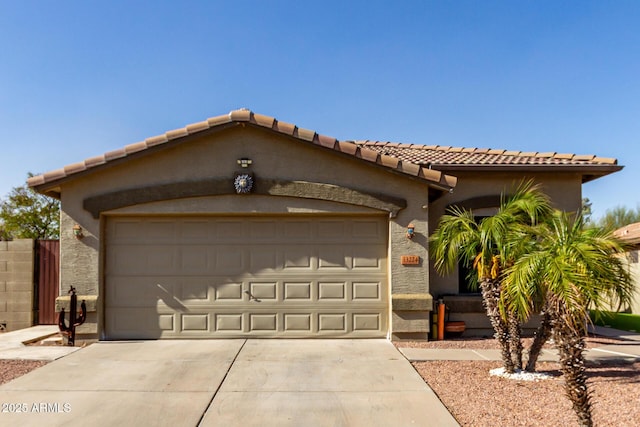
(70, 331)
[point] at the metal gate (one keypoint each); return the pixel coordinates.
(47, 281)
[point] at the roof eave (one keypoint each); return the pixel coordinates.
(49, 183)
(589, 172)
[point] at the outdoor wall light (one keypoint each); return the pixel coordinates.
(410, 231)
(77, 231)
(245, 163)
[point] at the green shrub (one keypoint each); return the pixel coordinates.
(622, 321)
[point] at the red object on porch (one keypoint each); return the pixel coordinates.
(441, 309)
(48, 268)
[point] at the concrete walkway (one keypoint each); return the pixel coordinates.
(13, 345)
(628, 351)
(226, 383)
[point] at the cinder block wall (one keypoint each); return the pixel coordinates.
(16, 284)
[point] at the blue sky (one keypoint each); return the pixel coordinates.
(79, 78)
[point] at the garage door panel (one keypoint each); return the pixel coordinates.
(230, 261)
(229, 322)
(368, 258)
(366, 321)
(160, 231)
(365, 229)
(332, 291)
(196, 259)
(263, 291)
(196, 231)
(126, 231)
(332, 229)
(202, 277)
(297, 291)
(263, 230)
(368, 291)
(139, 291)
(195, 322)
(298, 258)
(196, 290)
(263, 322)
(298, 230)
(264, 259)
(333, 257)
(139, 260)
(141, 323)
(296, 322)
(229, 291)
(229, 230)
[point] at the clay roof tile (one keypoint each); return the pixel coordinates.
(411, 168)
(368, 154)
(241, 115)
(306, 134)
(95, 161)
(264, 121)
(156, 140)
(176, 133)
(327, 141)
(134, 148)
(115, 154)
(347, 147)
(197, 127)
(74, 168)
(284, 127)
(219, 120)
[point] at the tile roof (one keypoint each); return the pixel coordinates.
(629, 234)
(422, 161)
(437, 155)
(244, 116)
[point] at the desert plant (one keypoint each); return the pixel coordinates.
(491, 244)
(572, 268)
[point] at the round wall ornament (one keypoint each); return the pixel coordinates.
(243, 183)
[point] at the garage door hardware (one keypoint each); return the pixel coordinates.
(70, 331)
(251, 297)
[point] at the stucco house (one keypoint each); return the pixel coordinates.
(630, 235)
(245, 226)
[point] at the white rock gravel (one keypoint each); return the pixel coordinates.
(520, 375)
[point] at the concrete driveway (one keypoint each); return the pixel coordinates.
(225, 383)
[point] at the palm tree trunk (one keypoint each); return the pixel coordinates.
(540, 337)
(490, 296)
(515, 345)
(570, 344)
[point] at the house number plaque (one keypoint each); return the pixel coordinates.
(409, 259)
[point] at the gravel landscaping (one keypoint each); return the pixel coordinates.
(10, 369)
(478, 399)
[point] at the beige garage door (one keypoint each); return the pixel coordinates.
(204, 277)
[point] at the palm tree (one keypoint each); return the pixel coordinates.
(574, 269)
(490, 245)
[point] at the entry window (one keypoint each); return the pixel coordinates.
(466, 280)
(467, 277)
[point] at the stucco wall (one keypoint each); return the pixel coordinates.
(632, 260)
(16, 284)
(273, 157)
(564, 190)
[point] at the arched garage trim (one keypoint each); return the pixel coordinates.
(217, 187)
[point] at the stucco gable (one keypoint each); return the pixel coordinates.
(243, 117)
